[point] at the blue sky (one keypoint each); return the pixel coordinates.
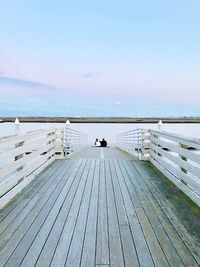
(100, 58)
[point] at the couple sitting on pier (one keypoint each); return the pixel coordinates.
(102, 143)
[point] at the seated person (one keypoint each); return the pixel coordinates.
(97, 142)
(103, 143)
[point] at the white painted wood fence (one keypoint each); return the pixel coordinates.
(135, 142)
(177, 157)
(23, 157)
(73, 140)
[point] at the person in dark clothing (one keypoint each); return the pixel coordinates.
(103, 143)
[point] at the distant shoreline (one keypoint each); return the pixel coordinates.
(99, 120)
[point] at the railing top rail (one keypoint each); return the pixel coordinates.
(31, 134)
(75, 131)
(131, 131)
(182, 138)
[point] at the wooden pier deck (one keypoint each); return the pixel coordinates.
(101, 208)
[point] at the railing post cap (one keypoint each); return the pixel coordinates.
(17, 121)
(67, 122)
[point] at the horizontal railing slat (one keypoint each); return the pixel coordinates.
(8, 184)
(181, 163)
(191, 142)
(25, 148)
(178, 173)
(18, 163)
(28, 136)
(192, 155)
(184, 188)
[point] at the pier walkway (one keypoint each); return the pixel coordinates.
(100, 208)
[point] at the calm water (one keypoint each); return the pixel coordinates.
(106, 130)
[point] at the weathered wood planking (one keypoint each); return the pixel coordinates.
(94, 213)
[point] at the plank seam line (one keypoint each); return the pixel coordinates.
(87, 175)
(86, 224)
(121, 163)
(116, 162)
(108, 230)
(114, 198)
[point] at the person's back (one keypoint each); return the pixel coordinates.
(97, 142)
(103, 143)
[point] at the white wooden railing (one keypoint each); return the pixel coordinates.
(135, 142)
(23, 157)
(177, 157)
(74, 140)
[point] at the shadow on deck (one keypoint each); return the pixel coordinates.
(100, 208)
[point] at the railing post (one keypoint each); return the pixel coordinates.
(145, 145)
(160, 125)
(52, 142)
(17, 131)
(59, 143)
(20, 155)
(183, 158)
(67, 145)
(17, 125)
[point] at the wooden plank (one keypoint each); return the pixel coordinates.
(144, 255)
(164, 242)
(177, 241)
(75, 250)
(102, 246)
(133, 193)
(49, 247)
(63, 245)
(9, 225)
(133, 178)
(16, 205)
(163, 239)
(39, 241)
(185, 245)
(28, 229)
(68, 230)
(116, 253)
(154, 246)
(145, 172)
(89, 244)
(186, 237)
(129, 250)
(121, 211)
